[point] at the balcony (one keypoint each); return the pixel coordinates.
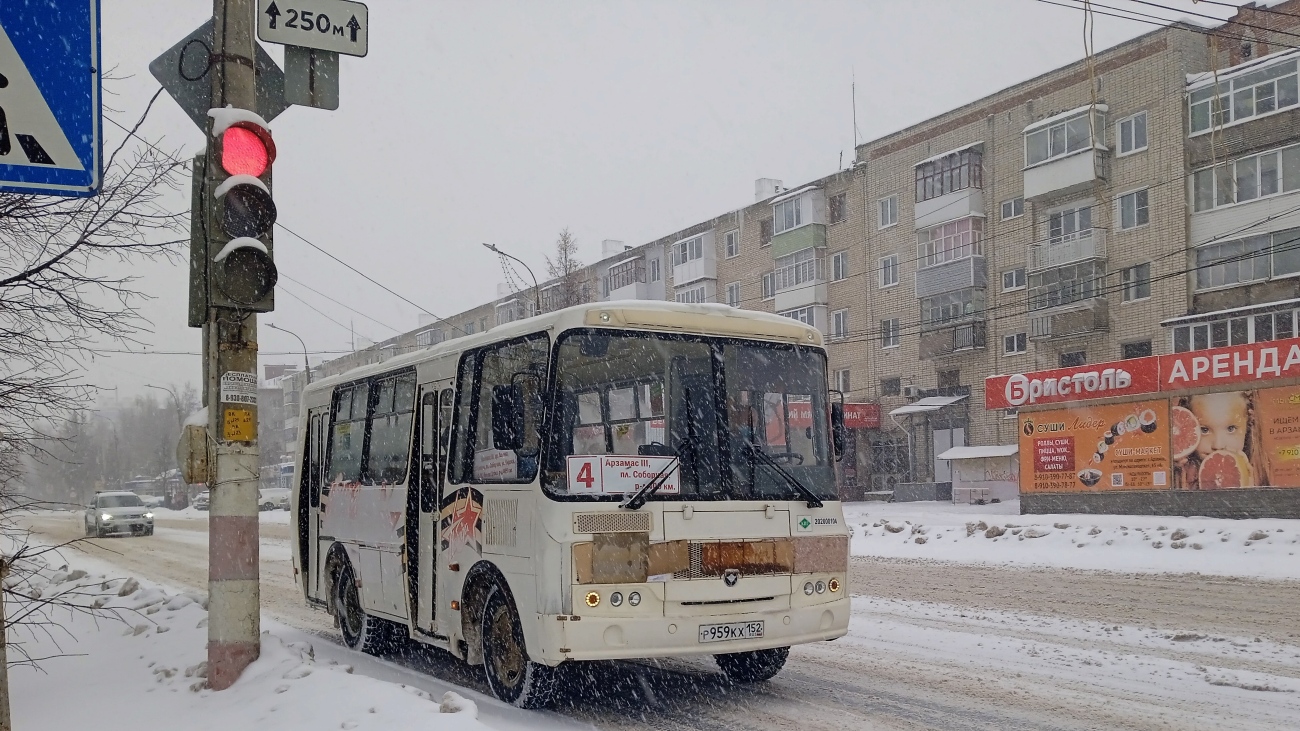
(513, 310)
(626, 280)
(807, 236)
(959, 204)
(1067, 249)
(952, 339)
(800, 285)
(1078, 318)
(951, 276)
(1073, 173)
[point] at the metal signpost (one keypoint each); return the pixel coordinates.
(50, 112)
(314, 33)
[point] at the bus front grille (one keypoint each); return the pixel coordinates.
(621, 522)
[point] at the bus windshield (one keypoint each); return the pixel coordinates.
(628, 406)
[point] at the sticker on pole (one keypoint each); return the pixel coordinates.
(239, 425)
(612, 474)
(238, 387)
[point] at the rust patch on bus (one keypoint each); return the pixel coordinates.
(748, 557)
(669, 558)
(822, 554)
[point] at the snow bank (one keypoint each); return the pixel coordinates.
(280, 517)
(140, 654)
(998, 534)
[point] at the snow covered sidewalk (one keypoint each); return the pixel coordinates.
(140, 656)
(998, 534)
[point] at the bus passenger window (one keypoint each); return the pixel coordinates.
(517, 365)
(347, 435)
(390, 431)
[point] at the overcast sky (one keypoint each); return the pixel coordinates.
(508, 121)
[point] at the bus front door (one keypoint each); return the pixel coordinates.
(432, 433)
(312, 548)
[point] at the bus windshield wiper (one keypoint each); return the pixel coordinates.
(756, 452)
(638, 498)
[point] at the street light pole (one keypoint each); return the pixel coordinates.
(537, 296)
(305, 365)
(180, 418)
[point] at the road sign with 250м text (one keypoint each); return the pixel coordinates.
(50, 97)
(340, 26)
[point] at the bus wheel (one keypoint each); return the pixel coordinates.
(360, 630)
(512, 676)
(753, 666)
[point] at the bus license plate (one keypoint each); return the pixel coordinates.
(734, 631)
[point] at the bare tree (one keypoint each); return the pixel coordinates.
(566, 271)
(58, 303)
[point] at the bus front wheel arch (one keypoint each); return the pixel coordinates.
(473, 602)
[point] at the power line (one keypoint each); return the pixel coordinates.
(339, 303)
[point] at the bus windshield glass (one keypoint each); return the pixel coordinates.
(628, 405)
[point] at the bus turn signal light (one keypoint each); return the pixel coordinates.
(593, 599)
(834, 585)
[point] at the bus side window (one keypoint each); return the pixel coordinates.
(315, 457)
(347, 435)
(444, 423)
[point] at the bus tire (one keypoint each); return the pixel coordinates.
(512, 677)
(753, 666)
(361, 631)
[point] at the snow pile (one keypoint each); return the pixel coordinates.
(280, 517)
(1262, 548)
(128, 651)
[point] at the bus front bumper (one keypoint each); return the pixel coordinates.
(627, 637)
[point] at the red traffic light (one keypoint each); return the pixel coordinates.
(243, 152)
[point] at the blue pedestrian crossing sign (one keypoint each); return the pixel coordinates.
(50, 108)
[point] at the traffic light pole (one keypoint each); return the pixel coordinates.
(230, 366)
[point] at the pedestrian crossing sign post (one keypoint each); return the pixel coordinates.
(50, 111)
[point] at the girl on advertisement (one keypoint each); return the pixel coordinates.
(1216, 442)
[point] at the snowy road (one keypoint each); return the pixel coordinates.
(932, 645)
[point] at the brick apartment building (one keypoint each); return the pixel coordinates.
(1074, 218)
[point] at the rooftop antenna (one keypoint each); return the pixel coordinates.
(853, 93)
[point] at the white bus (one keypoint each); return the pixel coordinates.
(617, 480)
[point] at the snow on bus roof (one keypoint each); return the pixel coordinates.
(568, 317)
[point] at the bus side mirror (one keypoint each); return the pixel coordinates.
(838, 436)
(508, 417)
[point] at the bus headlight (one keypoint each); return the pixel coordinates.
(616, 599)
(821, 587)
(808, 588)
(593, 599)
(833, 585)
(634, 598)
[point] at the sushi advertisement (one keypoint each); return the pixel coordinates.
(1091, 449)
(1235, 439)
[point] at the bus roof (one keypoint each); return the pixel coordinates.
(648, 315)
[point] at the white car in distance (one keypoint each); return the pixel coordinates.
(118, 512)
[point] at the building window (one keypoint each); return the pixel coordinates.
(837, 207)
(469, 328)
(1133, 210)
(949, 242)
(1014, 208)
(1069, 224)
(888, 211)
(483, 324)
(891, 387)
(733, 294)
(1066, 285)
(948, 174)
(654, 270)
(1260, 91)
(1013, 279)
(1014, 344)
(1137, 282)
(1062, 138)
(692, 296)
(889, 271)
(769, 285)
(1074, 359)
(1235, 331)
(788, 214)
(1132, 134)
(1135, 350)
(624, 274)
(890, 336)
(951, 306)
(688, 250)
(765, 232)
(840, 324)
(1234, 262)
(1257, 176)
(840, 266)
(731, 240)
(950, 378)
(428, 338)
(842, 380)
(806, 315)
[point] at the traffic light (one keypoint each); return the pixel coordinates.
(241, 267)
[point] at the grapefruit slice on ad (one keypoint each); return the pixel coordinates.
(1224, 469)
(1185, 432)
